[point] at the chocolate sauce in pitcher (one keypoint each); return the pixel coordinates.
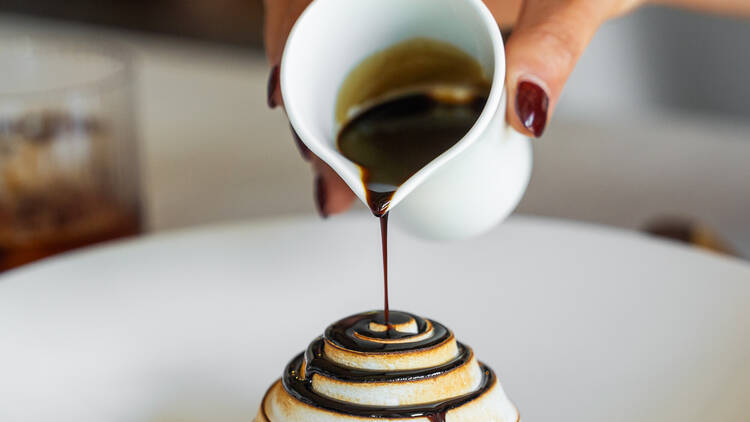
(400, 109)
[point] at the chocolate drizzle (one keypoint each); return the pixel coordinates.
(344, 333)
(384, 246)
(317, 363)
(301, 389)
(356, 333)
(437, 417)
(394, 139)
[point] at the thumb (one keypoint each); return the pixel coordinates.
(547, 41)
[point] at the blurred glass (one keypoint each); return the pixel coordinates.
(68, 158)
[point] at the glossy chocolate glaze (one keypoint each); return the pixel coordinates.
(342, 333)
(317, 363)
(384, 247)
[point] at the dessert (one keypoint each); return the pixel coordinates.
(408, 369)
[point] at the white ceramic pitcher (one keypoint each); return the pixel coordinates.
(466, 190)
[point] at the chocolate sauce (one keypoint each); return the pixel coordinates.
(400, 109)
(352, 333)
(437, 417)
(316, 363)
(384, 246)
(301, 389)
(347, 334)
(394, 140)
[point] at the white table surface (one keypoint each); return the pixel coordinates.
(582, 323)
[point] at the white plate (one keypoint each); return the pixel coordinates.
(581, 323)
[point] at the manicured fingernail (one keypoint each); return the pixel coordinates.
(531, 107)
(273, 82)
(303, 149)
(320, 196)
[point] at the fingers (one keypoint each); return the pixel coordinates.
(280, 18)
(274, 87)
(547, 41)
(505, 12)
(332, 194)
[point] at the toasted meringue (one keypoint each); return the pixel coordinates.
(411, 369)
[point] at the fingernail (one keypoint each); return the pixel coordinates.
(320, 196)
(273, 82)
(531, 107)
(303, 149)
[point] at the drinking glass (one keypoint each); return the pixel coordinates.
(68, 154)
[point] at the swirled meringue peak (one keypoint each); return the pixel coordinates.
(411, 369)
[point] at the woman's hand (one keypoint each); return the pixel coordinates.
(332, 195)
(548, 38)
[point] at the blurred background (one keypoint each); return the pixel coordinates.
(653, 131)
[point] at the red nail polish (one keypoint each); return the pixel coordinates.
(531, 107)
(321, 196)
(273, 82)
(303, 149)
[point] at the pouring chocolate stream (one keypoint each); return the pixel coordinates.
(399, 110)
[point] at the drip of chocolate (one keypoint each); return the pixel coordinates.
(401, 108)
(384, 246)
(437, 417)
(393, 140)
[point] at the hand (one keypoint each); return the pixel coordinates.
(548, 38)
(332, 195)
